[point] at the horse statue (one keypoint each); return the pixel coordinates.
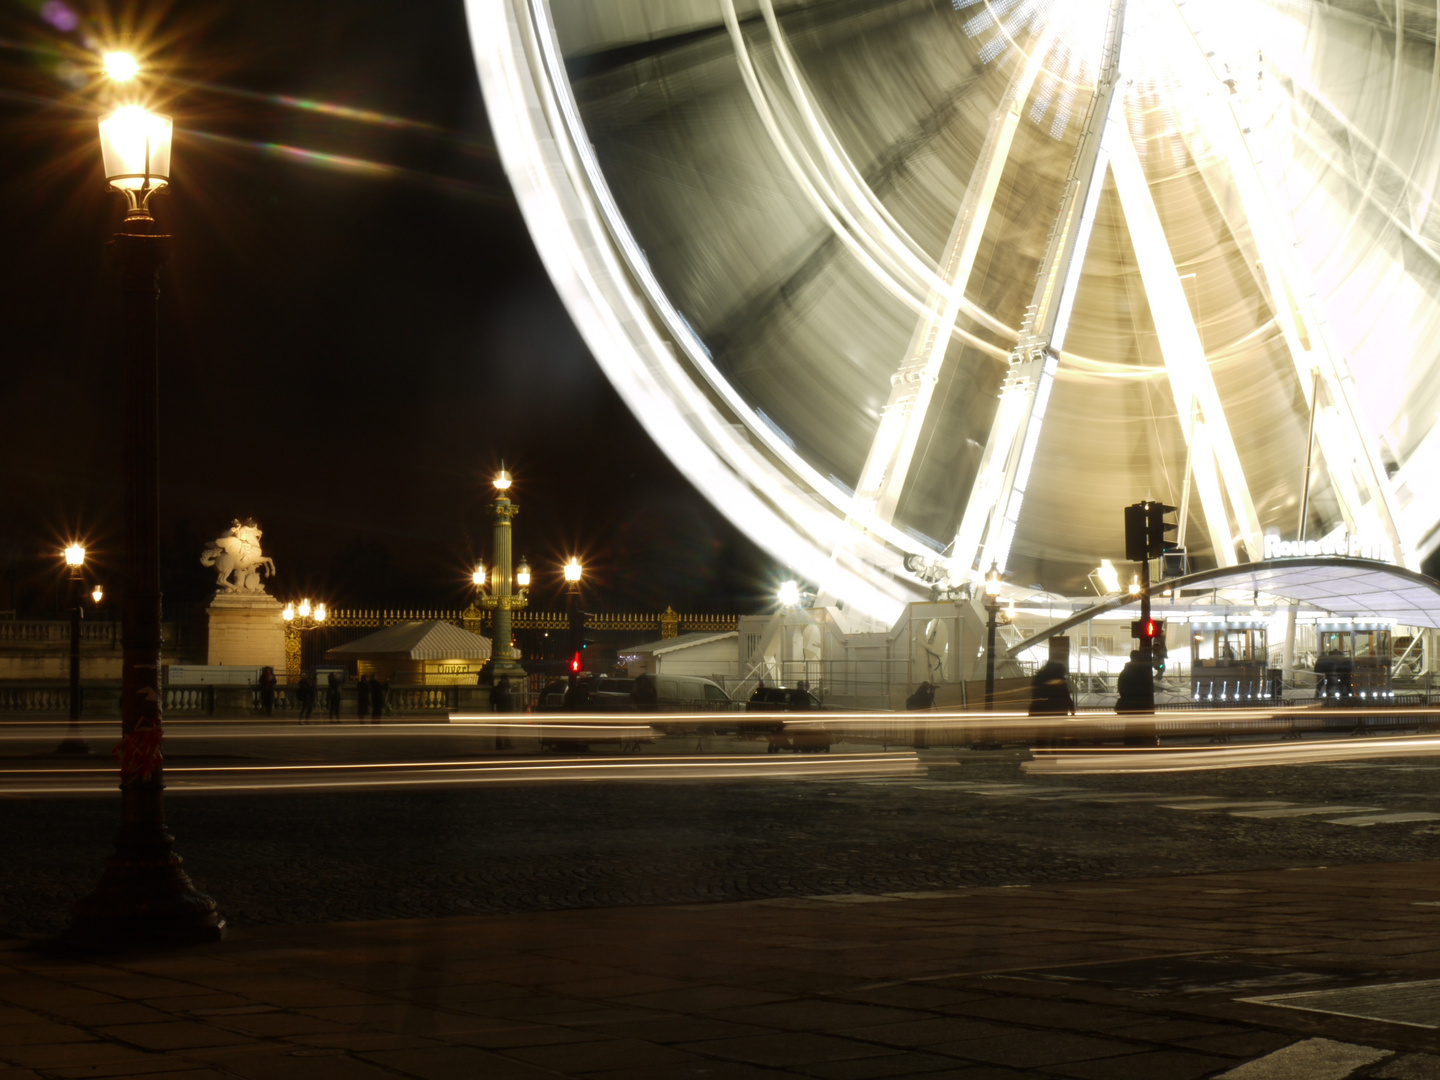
(237, 559)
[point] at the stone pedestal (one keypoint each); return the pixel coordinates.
(246, 629)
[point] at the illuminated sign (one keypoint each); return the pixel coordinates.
(1343, 546)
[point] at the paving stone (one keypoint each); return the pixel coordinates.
(69, 1055)
(1036, 1048)
(454, 1063)
(150, 1065)
(827, 1016)
(1059, 1014)
(1241, 1044)
(584, 1057)
(174, 1035)
(1410, 1067)
(38, 1030)
(1156, 1065)
(934, 1031)
(908, 1063)
(790, 1048)
(1311, 1059)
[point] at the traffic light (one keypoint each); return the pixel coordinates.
(1135, 533)
(1159, 651)
(1149, 631)
(575, 664)
(1156, 543)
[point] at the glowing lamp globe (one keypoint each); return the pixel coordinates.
(135, 145)
(74, 555)
(98, 593)
(789, 594)
(502, 481)
(319, 612)
(120, 66)
(522, 574)
(572, 570)
(478, 577)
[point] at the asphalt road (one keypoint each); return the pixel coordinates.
(949, 818)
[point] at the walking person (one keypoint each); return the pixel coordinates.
(305, 695)
(378, 692)
(362, 697)
(501, 699)
(267, 690)
(332, 696)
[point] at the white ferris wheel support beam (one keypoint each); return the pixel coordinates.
(1185, 361)
(1349, 447)
(912, 387)
(993, 509)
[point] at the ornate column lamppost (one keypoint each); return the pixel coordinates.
(992, 606)
(505, 579)
(576, 616)
(297, 621)
(75, 560)
(144, 895)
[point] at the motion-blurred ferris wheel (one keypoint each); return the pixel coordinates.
(909, 287)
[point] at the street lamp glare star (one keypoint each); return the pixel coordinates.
(75, 555)
(993, 580)
(120, 66)
(478, 577)
(502, 481)
(789, 594)
(572, 570)
(522, 574)
(98, 593)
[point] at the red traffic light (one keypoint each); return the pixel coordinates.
(575, 662)
(1152, 629)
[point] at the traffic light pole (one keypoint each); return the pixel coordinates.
(576, 630)
(1146, 652)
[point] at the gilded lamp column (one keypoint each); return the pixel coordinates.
(503, 597)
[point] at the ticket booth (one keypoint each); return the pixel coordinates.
(1229, 662)
(1352, 661)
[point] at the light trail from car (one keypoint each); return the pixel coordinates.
(1070, 761)
(332, 776)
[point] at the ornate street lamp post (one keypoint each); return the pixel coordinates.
(503, 597)
(143, 894)
(297, 621)
(992, 606)
(75, 560)
(576, 620)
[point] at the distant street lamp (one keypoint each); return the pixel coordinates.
(297, 621)
(502, 597)
(75, 560)
(572, 571)
(993, 579)
(144, 895)
(97, 594)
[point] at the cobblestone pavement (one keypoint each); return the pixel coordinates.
(974, 819)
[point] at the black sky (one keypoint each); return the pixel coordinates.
(346, 353)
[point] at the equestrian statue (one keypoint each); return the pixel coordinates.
(237, 559)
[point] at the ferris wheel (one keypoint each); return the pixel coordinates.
(910, 290)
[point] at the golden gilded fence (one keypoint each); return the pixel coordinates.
(666, 624)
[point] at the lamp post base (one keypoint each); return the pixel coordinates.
(144, 896)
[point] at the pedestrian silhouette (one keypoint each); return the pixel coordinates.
(267, 690)
(332, 695)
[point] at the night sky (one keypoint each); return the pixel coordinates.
(347, 350)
